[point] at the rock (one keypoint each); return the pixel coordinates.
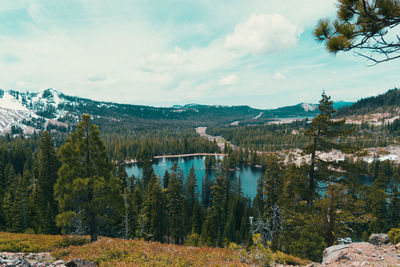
(80, 263)
(397, 246)
(333, 252)
(378, 239)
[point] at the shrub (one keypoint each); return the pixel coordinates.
(73, 240)
(193, 240)
(394, 235)
(283, 258)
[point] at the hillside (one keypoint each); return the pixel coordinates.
(387, 102)
(29, 112)
(377, 110)
(118, 252)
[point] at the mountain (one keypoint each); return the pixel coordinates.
(387, 102)
(340, 104)
(28, 112)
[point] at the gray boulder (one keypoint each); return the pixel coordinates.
(378, 239)
(80, 263)
(333, 252)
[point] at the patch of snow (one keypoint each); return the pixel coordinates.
(308, 107)
(258, 116)
(10, 102)
(235, 123)
(179, 110)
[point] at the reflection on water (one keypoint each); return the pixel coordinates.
(247, 175)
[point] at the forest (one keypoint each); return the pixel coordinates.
(77, 188)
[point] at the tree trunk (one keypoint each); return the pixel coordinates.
(312, 175)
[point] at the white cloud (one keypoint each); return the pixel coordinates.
(163, 62)
(263, 34)
(228, 80)
(279, 76)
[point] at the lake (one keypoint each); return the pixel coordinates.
(248, 175)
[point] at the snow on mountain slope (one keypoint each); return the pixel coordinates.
(309, 107)
(29, 112)
(7, 101)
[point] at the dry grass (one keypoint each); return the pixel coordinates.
(118, 252)
(12, 242)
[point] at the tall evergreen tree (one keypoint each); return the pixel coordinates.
(325, 134)
(89, 196)
(175, 207)
(48, 167)
(158, 216)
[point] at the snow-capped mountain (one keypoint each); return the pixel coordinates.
(309, 107)
(28, 112)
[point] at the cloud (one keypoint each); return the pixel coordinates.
(263, 34)
(228, 80)
(97, 78)
(163, 62)
(279, 76)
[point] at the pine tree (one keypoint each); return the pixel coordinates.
(197, 217)
(325, 134)
(48, 167)
(175, 208)
(190, 198)
(206, 184)
(89, 196)
(166, 179)
(394, 207)
(377, 202)
(273, 183)
(158, 215)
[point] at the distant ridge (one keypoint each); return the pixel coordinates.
(387, 102)
(27, 112)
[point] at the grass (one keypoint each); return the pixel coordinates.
(119, 252)
(12, 242)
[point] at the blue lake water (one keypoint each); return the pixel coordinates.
(248, 175)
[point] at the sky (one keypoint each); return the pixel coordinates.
(259, 53)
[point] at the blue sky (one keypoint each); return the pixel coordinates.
(230, 52)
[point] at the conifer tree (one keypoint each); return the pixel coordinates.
(197, 217)
(190, 198)
(48, 167)
(158, 218)
(206, 184)
(166, 179)
(89, 196)
(175, 207)
(273, 183)
(378, 204)
(325, 135)
(394, 207)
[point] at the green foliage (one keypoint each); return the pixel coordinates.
(193, 240)
(73, 240)
(89, 197)
(394, 235)
(310, 245)
(363, 26)
(38, 243)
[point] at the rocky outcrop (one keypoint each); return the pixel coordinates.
(333, 252)
(8, 259)
(361, 254)
(80, 263)
(379, 239)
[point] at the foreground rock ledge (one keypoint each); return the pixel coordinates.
(361, 254)
(39, 260)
